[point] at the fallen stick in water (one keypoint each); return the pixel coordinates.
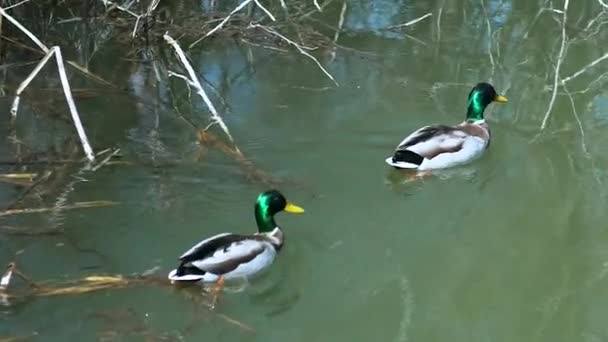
(77, 205)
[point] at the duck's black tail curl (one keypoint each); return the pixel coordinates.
(407, 156)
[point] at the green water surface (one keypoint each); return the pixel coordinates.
(510, 248)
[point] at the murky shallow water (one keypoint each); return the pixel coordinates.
(509, 248)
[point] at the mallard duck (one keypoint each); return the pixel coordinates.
(442, 146)
(229, 256)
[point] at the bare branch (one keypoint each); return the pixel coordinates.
(560, 58)
(412, 22)
(193, 80)
(297, 46)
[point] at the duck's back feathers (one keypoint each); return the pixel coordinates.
(440, 146)
(228, 258)
(230, 255)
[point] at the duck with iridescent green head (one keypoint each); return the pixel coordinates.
(442, 146)
(229, 256)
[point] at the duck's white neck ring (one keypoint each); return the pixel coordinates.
(276, 237)
(478, 122)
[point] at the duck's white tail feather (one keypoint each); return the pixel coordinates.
(401, 165)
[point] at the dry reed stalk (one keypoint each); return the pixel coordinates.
(88, 150)
(106, 160)
(24, 179)
(298, 47)
(412, 22)
(76, 205)
(55, 50)
(560, 59)
(28, 176)
(15, 5)
(5, 281)
(192, 80)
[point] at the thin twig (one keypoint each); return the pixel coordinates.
(438, 23)
(578, 121)
(238, 8)
(300, 49)
(316, 2)
(193, 80)
(560, 58)
(412, 22)
(221, 24)
(15, 5)
(257, 2)
(581, 71)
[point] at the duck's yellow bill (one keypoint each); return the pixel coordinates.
(501, 99)
(294, 209)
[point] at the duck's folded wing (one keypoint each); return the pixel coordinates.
(430, 141)
(226, 259)
(209, 246)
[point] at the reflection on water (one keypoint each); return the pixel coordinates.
(509, 248)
